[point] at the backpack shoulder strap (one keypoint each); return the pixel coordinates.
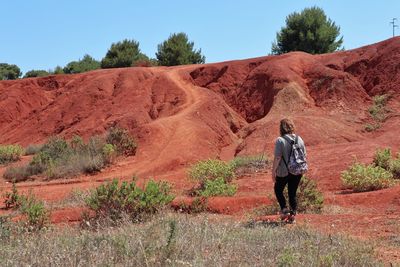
(291, 144)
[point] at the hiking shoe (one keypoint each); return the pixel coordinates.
(292, 217)
(284, 214)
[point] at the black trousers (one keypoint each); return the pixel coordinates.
(293, 183)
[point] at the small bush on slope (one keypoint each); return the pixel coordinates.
(309, 198)
(57, 158)
(10, 153)
(378, 112)
(124, 143)
(249, 164)
(360, 177)
(211, 169)
(34, 209)
(113, 200)
(383, 158)
(217, 187)
(395, 167)
(214, 177)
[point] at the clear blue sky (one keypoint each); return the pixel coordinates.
(42, 34)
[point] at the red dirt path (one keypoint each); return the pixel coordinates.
(183, 114)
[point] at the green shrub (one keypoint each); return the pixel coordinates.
(32, 149)
(77, 143)
(113, 200)
(17, 174)
(10, 153)
(12, 199)
(109, 152)
(212, 169)
(35, 211)
(372, 127)
(58, 158)
(383, 158)
(91, 163)
(378, 110)
(249, 164)
(36, 214)
(395, 167)
(39, 162)
(309, 198)
(217, 187)
(360, 177)
(56, 148)
(123, 142)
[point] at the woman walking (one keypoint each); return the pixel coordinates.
(288, 167)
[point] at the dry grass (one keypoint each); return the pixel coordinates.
(183, 240)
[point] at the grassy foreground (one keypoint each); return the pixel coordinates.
(182, 240)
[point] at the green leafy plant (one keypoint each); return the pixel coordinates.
(309, 198)
(35, 211)
(214, 177)
(360, 177)
(58, 158)
(77, 143)
(10, 153)
(378, 112)
(217, 187)
(120, 138)
(109, 152)
(12, 199)
(112, 199)
(379, 105)
(395, 167)
(212, 169)
(383, 158)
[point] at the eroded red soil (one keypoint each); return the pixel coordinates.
(187, 113)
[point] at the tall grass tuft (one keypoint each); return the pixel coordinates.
(10, 153)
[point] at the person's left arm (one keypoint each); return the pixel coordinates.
(278, 151)
(277, 159)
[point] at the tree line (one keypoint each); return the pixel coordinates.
(309, 31)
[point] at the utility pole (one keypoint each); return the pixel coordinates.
(394, 25)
